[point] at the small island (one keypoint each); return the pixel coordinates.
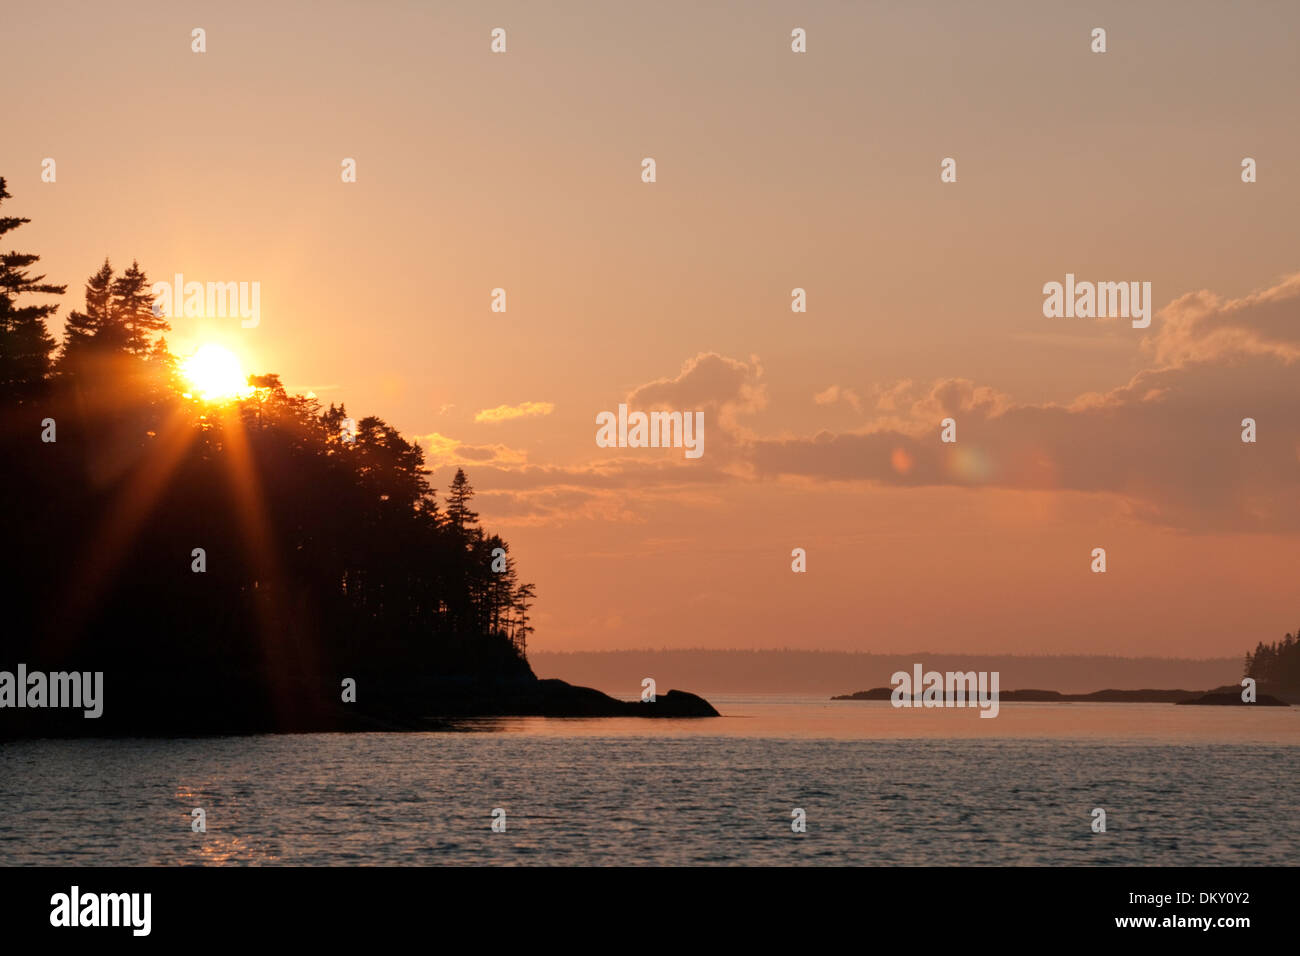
(1274, 668)
(1218, 696)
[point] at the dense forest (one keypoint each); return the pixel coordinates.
(1278, 664)
(249, 554)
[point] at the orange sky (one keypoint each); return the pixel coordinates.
(775, 170)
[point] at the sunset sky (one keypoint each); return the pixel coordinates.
(775, 170)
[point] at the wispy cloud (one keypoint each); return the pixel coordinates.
(505, 413)
(442, 451)
(834, 394)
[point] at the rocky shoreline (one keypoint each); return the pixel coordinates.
(167, 706)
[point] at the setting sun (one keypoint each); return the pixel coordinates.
(216, 374)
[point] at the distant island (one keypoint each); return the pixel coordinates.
(1100, 696)
(228, 557)
(1275, 668)
(1219, 696)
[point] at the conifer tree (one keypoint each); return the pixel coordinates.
(83, 327)
(25, 342)
(133, 310)
(458, 498)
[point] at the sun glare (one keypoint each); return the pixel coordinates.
(215, 374)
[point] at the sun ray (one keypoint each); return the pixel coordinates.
(122, 520)
(281, 654)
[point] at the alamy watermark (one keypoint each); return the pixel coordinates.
(950, 689)
(74, 908)
(651, 430)
(1098, 300)
(59, 689)
(211, 300)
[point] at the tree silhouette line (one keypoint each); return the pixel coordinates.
(320, 556)
(1277, 663)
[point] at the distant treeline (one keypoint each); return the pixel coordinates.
(1277, 664)
(319, 556)
(827, 673)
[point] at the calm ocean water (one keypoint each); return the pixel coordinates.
(1185, 785)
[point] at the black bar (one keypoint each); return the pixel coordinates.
(650, 905)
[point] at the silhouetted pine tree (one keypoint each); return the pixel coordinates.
(25, 341)
(83, 327)
(458, 498)
(133, 311)
(522, 603)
